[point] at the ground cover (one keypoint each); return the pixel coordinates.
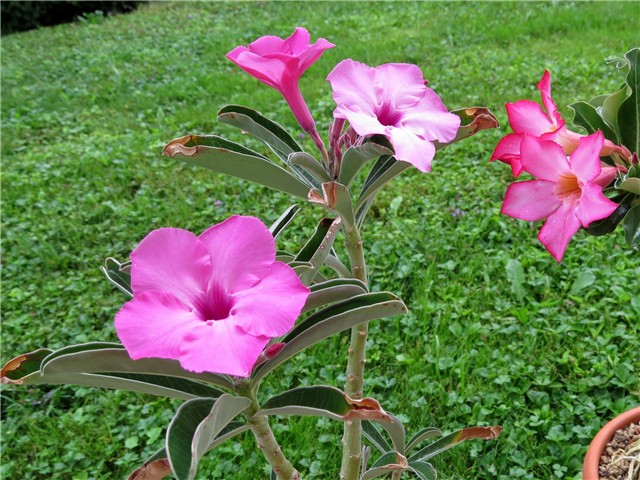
(86, 109)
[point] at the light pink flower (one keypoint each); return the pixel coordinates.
(212, 302)
(565, 191)
(528, 118)
(280, 63)
(392, 100)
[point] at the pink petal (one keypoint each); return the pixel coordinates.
(508, 151)
(545, 89)
(271, 307)
(353, 85)
(171, 260)
(531, 200)
(526, 116)
(268, 70)
(154, 324)
(362, 122)
(297, 42)
(268, 44)
(242, 252)
(585, 161)
(543, 159)
(221, 347)
(594, 205)
(557, 231)
(430, 119)
(399, 84)
(410, 148)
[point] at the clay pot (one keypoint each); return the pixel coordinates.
(604, 436)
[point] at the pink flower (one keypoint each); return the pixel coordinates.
(565, 192)
(392, 100)
(280, 63)
(528, 118)
(212, 302)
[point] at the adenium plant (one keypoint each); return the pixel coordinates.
(209, 316)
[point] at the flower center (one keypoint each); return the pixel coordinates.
(567, 186)
(215, 304)
(388, 116)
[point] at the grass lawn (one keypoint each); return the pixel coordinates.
(86, 109)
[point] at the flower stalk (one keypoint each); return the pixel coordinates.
(351, 440)
(268, 444)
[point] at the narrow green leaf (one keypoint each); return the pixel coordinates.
(332, 291)
(422, 435)
(268, 131)
(611, 106)
(116, 360)
(119, 274)
(396, 431)
(283, 220)
(318, 247)
(373, 435)
(331, 320)
(309, 165)
(609, 224)
(384, 465)
(631, 184)
(336, 265)
(453, 439)
(629, 111)
(195, 426)
(254, 168)
(384, 170)
(356, 157)
(588, 118)
(631, 227)
(423, 470)
(515, 274)
(324, 401)
(311, 247)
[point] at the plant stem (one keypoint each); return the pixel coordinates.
(351, 439)
(268, 444)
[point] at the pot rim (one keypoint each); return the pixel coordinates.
(599, 442)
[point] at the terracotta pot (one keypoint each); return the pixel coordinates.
(599, 442)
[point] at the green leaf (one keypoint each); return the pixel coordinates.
(333, 319)
(453, 439)
(373, 435)
(629, 111)
(193, 149)
(611, 106)
(112, 358)
(23, 365)
(333, 291)
(195, 426)
(423, 470)
(384, 170)
(422, 435)
(323, 401)
(119, 274)
(229, 431)
(356, 157)
(314, 170)
(609, 224)
(582, 281)
(587, 117)
(268, 131)
(283, 220)
(387, 463)
(632, 227)
(631, 184)
(515, 274)
(318, 247)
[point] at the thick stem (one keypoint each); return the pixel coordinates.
(269, 445)
(351, 440)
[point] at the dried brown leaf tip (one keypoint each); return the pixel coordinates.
(19, 367)
(179, 145)
(482, 118)
(366, 409)
(11, 366)
(484, 433)
(156, 470)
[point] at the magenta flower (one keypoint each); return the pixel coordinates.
(392, 100)
(212, 302)
(528, 118)
(565, 192)
(280, 63)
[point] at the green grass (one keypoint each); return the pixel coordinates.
(86, 109)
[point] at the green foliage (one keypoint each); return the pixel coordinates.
(83, 179)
